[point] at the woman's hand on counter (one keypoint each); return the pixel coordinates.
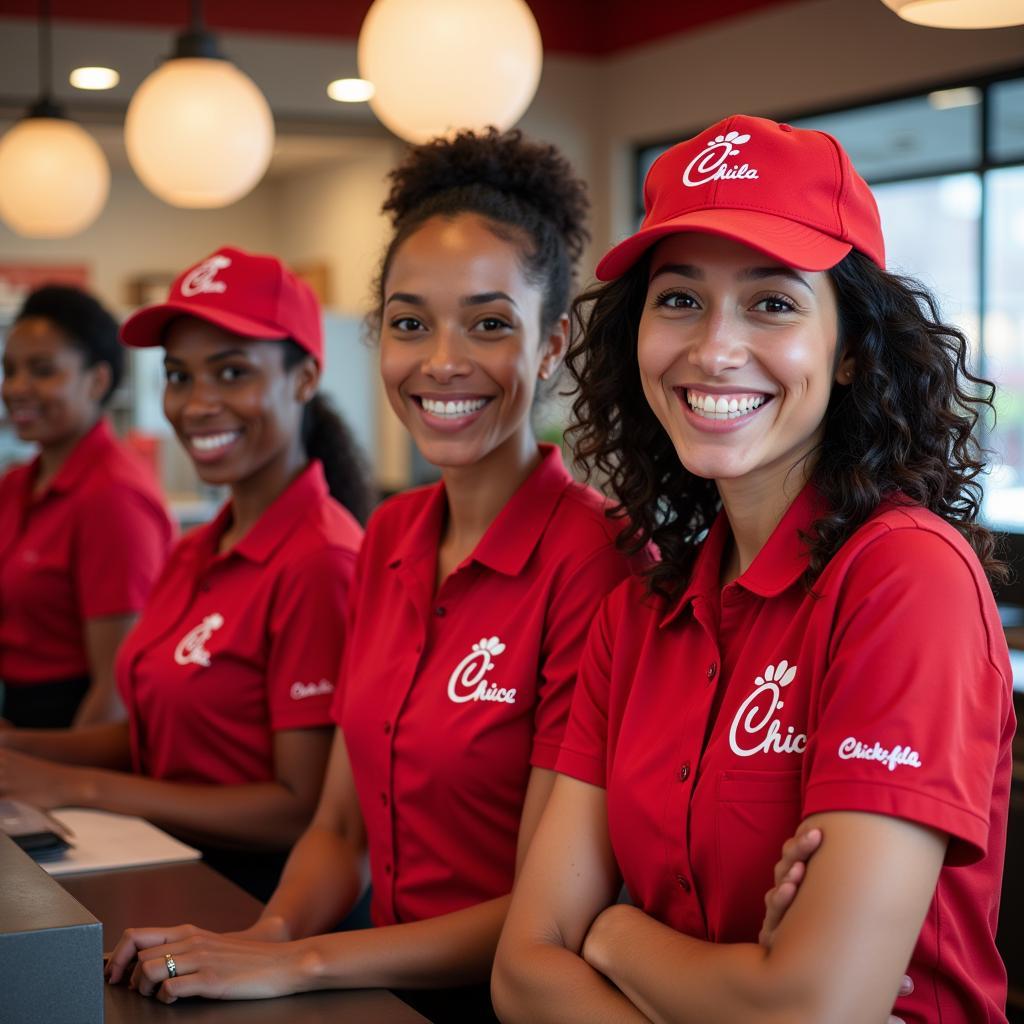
(207, 964)
(43, 783)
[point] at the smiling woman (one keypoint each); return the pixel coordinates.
(817, 651)
(83, 531)
(228, 675)
(471, 604)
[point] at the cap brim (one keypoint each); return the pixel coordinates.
(794, 244)
(144, 329)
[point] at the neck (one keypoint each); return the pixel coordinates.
(754, 508)
(476, 494)
(53, 456)
(251, 497)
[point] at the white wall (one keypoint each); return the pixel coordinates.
(138, 234)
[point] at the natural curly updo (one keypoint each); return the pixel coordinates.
(526, 190)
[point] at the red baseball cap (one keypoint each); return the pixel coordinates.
(248, 294)
(789, 192)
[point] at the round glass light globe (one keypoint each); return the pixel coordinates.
(199, 133)
(959, 13)
(449, 64)
(54, 178)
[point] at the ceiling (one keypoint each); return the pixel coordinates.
(583, 27)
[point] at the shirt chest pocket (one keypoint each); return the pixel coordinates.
(755, 813)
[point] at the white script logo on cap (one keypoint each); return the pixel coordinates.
(203, 278)
(468, 680)
(191, 649)
(709, 164)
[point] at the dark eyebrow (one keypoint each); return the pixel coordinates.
(485, 297)
(407, 297)
(760, 273)
(227, 353)
(750, 274)
(682, 269)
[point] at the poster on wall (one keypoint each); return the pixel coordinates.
(18, 279)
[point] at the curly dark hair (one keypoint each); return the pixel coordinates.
(905, 425)
(526, 190)
(85, 321)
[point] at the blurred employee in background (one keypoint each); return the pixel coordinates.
(83, 530)
(227, 678)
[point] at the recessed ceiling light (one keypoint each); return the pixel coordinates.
(350, 90)
(94, 78)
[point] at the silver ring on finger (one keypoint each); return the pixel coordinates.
(172, 967)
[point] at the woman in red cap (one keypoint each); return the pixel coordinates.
(228, 675)
(818, 647)
(471, 605)
(83, 530)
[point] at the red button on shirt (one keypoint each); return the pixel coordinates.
(90, 546)
(888, 692)
(471, 700)
(234, 647)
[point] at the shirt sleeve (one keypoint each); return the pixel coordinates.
(121, 544)
(914, 705)
(584, 749)
(572, 609)
(307, 639)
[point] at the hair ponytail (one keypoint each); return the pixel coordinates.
(326, 437)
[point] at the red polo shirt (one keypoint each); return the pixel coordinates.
(449, 696)
(718, 724)
(233, 647)
(88, 547)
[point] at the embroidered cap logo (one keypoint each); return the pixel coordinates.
(710, 163)
(203, 277)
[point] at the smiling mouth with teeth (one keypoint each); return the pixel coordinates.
(453, 410)
(211, 442)
(719, 407)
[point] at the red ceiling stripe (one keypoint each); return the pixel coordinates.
(585, 27)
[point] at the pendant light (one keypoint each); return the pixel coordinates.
(198, 131)
(960, 13)
(54, 178)
(449, 64)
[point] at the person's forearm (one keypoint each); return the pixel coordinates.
(100, 704)
(97, 746)
(439, 952)
(264, 815)
(319, 885)
(552, 984)
(675, 979)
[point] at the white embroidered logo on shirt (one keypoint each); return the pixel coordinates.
(709, 164)
(191, 649)
(300, 691)
(468, 680)
(755, 729)
(203, 277)
(900, 755)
